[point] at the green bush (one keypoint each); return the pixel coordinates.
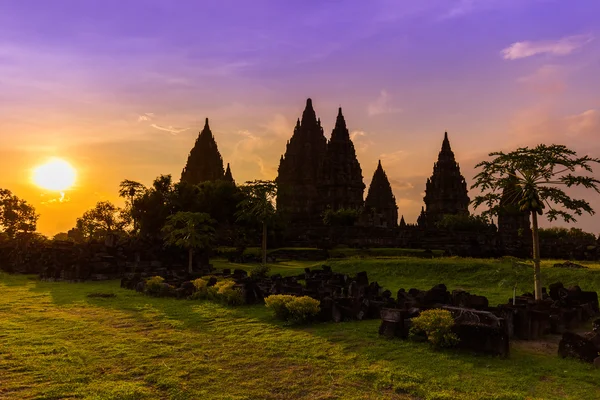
(437, 326)
(293, 308)
(222, 291)
(154, 285)
(303, 309)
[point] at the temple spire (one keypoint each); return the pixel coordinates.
(309, 117)
(340, 132)
(204, 161)
(380, 204)
(340, 180)
(228, 176)
(446, 143)
(446, 189)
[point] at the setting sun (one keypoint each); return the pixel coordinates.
(56, 174)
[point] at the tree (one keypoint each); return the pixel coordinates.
(258, 205)
(191, 231)
(152, 209)
(533, 178)
(16, 215)
(104, 219)
(131, 191)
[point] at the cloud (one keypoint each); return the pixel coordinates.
(382, 105)
(561, 47)
(583, 125)
(401, 185)
(361, 141)
(548, 79)
(145, 117)
(392, 158)
(171, 129)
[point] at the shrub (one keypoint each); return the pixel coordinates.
(437, 326)
(223, 291)
(303, 309)
(154, 285)
(277, 303)
(200, 284)
(292, 308)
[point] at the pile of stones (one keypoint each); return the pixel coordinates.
(342, 297)
(488, 329)
(585, 347)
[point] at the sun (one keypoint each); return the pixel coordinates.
(56, 175)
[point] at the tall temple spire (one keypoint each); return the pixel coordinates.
(446, 143)
(446, 190)
(299, 169)
(340, 179)
(309, 117)
(204, 161)
(380, 204)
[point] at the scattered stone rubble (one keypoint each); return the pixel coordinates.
(479, 326)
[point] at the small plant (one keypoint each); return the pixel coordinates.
(292, 308)
(303, 309)
(200, 284)
(277, 303)
(437, 326)
(223, 291)
(154, 285)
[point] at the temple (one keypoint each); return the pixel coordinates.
(380, 205)
(341, 181)
(446, 190)
(204, 162)
(316, 175)
(228, 176)
(299, 169)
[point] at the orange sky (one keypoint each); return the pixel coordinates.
(123, 97)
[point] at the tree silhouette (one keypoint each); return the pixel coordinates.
(131, 190)
(102, 220)
(258, 205)
(533, 178)
(16, 215)
(191, 231)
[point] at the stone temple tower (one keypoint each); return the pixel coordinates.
(380, 205)
(299, 168)
(204, 162)
(446, 190)
(341, 181)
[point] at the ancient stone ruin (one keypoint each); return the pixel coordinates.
(204, 162)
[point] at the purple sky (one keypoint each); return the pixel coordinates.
(121, 88)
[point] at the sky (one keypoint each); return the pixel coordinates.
(120, 89)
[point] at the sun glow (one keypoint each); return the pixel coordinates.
(56, 175)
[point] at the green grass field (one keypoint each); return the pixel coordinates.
(58, 343)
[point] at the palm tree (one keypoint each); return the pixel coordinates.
(258, 205)
(191, 231)
(531, 178)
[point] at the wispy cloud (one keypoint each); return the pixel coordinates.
(145, 117)
(361, 141)
(171, 129)
(561, 47)
(382, 105)
(392, 158)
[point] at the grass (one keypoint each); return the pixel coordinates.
(56, 342)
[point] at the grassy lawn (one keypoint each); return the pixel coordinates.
(57, 343)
